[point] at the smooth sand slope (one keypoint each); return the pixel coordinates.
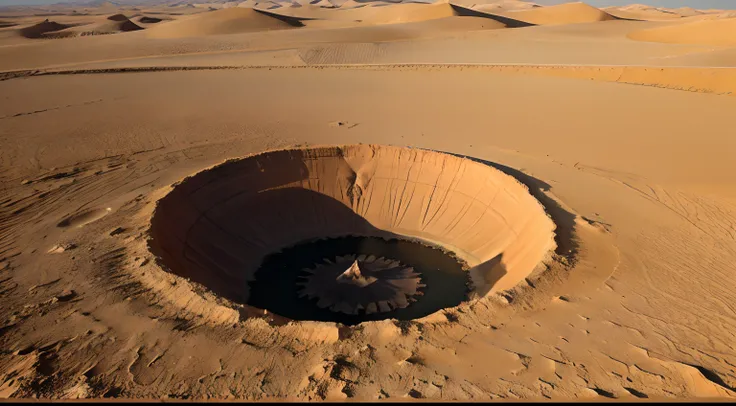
(642, 12)
(226, 21)
(649, 221)
(568, 13)
(706, 32)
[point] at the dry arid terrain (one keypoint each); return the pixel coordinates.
(543, 199)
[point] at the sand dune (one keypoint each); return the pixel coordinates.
(264, 5)
(226, 21)
(496, 4)
(149, 20)
(506, 5)
(353, 4)
(641, 12)
(114, 24)
(687, 11)
(569, 13)
(706, 32)
(41, 29)
(400, 13)
(323, 4)
(79, 26)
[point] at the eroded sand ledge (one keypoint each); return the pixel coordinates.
(217, 226)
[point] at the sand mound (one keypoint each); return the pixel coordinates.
(41, 29)
(402, 13)
(217, 226)
(111, 25)
(569, 13)
(706, 32)
(118, 17)
(226, 21)
(687, 11)
(149, 20)
(641, 12)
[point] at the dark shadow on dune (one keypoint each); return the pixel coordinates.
(292, 21)
(149, 20)
(163, 12)
(4, 24)
(38, 30)
(128, 26)
(509, 22)
(567, 245)
(118, 17)
(49, 14)
(625, 19)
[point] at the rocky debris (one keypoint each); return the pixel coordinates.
(66, 295)
(140, 262)
(59, 248)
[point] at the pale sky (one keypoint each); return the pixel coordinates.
(700, 4)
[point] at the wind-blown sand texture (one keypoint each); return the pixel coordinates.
(577, 162)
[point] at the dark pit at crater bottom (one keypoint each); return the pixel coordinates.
(280, 278)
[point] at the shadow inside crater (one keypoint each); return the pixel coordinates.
(276, 283)
(226, 229)
(567, 244)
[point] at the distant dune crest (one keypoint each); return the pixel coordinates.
(720, 32)
(226, 21)
(568, 13)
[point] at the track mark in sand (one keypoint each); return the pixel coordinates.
(704, 214)
(345, 124)
(598, 224)
(604, 393)
(636, 393)
(28, 113)
(84, 218)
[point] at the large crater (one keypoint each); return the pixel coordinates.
(218, 227)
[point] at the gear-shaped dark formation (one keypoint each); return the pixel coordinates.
(353, 284)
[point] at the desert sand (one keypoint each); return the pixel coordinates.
(574, 163)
